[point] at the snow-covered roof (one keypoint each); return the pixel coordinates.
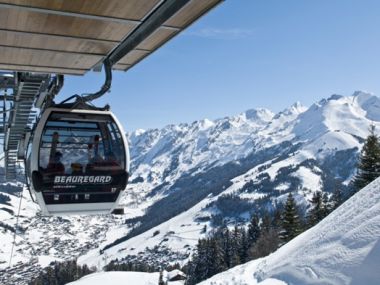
(174, 273)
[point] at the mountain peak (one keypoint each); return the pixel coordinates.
(297, 108)
(205, 124)
(362, 93)
(362, 97)
(335, 97)
(368, 102)
(260, 114)
(139, 132)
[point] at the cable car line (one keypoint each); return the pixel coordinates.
(105, 87)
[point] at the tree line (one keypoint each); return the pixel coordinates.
(226, 248)
(61, 273)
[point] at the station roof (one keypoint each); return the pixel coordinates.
(74, 36)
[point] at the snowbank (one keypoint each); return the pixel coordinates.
(344, 248)
(118, 278)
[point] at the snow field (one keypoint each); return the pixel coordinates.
(118, 278)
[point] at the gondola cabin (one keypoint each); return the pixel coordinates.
(78, 162)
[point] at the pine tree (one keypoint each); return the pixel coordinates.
(276, 220)
(244, 246)
(235, 260)
(336, 198)
(207, 261)
(227, 247)
(290, 220)
(253, 230)
(369, 161)
(217, 260)
(267, 222)
(192, 278)
(316, 213)
(267, 243)
(199, 266)
(326, 207)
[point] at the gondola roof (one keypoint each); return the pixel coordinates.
(74, 36)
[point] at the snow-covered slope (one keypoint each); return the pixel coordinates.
(118, 278)
(128, 277)
(343, 249)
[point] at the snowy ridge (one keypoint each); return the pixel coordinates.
(343, 249)
(330, 124)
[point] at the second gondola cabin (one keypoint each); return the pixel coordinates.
(77, 162)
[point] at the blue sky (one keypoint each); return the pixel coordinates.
(246, 54)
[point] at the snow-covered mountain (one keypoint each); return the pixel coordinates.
(189, 176)
(186, 178)
(343, 249)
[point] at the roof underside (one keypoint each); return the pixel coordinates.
(74, 36)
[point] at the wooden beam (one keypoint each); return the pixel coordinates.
(41, 69)
(158, 37)
(121, 66)
(134, 10)
(52, 50)
(133, 57)
(194, 10)
(28, 21)
(153, 22)
(69, 14)
(59, 36)
(28, 57)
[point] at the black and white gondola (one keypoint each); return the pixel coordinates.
(77, 161)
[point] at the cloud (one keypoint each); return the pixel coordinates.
(221, 34)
